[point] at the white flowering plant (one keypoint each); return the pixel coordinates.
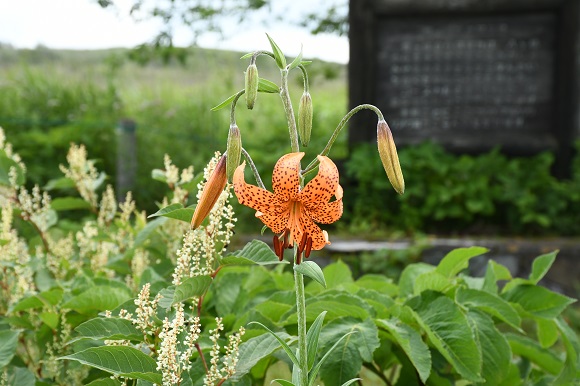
(95, 292)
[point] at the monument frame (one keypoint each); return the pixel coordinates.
(368, 17)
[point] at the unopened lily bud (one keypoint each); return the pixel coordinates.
(305, 118)
(211, 192)
(234, 150)
(389, 157)
(251, 85)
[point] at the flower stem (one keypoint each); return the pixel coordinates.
(233, 108)
(285, 95)
(301, 316)
(254, 169)
(340, 126)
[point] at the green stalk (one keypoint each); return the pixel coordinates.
(301, 316)
(340, 126)
(285, 95)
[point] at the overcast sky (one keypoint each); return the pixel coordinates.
(83, 24)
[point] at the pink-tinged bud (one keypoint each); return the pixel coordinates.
(251, 85)
(234, 150)
(389, 157)
(305, 118)
(211, 192)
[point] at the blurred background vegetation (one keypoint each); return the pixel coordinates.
(50, 98)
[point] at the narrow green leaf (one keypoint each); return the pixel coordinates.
(255, 349)
(538, 301)
(312, 339)
(493, 305)
(107, 328)
(105, 382)
(159, 175)
(282, 343)
(312, 270)
(224, 103)
(282, 382)
(8, 343)
(264, 85)
(98, 298)
(571, 370)
(175, 211)
(412, 344)
(278, 55)
(248, 55)
(189, 288)
(297, 60)
(457, 260)
(59, 183)
(254, 252)
(531, 350)
(123, 361)
(347, 383)
(449, 331)
(316, 369)
(69, 203)
(541, 266)
(547, 331)
(167, 209)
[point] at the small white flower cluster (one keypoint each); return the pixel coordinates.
(82, 172)
(175, 179)
(200, 247)
(36, 207)
(94, 250)
(146, 310)
(229, 361)
(58, 258)
(107, 208)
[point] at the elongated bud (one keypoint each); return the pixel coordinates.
(234, 150)
(305, 118)
(251, 85)
(211, 192)
(389, 157)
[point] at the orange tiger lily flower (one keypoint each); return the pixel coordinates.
(291, 212)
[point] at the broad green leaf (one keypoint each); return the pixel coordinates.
(98, 298)
(282, 382)
(8, 343)
(336, 303)
(59, 183)
(189, 288)
(412, 344)
(457, 260)
(531, 350)
(107, 328)
(107, 382)
(224, 103)
(547, 331)
(69, 203)
(538, 301)
(571, 370)
(449, 331)
(342, 350)
(50, 318)
(381, 303)
(312, 270)
(296, 62)
(20, 376)
(312, 339)
(379, 283)
(280, 340)
(492, 304)
(278, 55)
(432, 280)
(159, 175)
(495, 350)
(541, 266)
(144, 233)
(254, 252)
(275, 306)
(338, 274)
(175, 211)
(493, 273)
(264, 85)
(409, 276)
(123, 361)
(43, 299)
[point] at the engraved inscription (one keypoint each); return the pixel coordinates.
(479, 76)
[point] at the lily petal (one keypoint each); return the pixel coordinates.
(319, 239)
(286, 177)
(277, 222)
(322, 187)
(326, 213)
(251, 195)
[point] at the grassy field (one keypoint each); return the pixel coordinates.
(49, 98)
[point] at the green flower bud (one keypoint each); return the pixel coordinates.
(389, 157)
(305, 118)
(251, 85)
(234, 150)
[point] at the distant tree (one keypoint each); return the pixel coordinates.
(209, 16)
